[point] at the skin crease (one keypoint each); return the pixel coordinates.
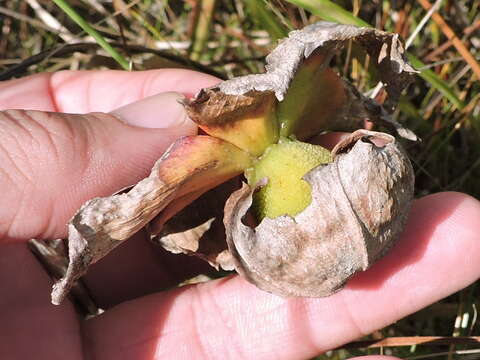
(437, 255)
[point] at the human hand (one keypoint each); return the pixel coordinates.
(52, 163)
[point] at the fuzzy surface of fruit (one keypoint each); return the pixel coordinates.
(283, 166)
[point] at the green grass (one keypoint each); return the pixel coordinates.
(80, 21)
(442, 105)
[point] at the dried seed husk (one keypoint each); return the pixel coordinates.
(359, 207)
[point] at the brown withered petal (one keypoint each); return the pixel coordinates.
(385, 48)
(198, 228)
(247, 120)
(321, 40)
(359, 206)
(193, 164)
(53, 255)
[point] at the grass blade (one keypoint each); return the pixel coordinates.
(450, 34)
(329, 11)
(202, 28)
(72, 14)
(437, 83)
(265, 19)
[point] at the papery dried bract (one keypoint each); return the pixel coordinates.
(197, 229)
(247, 121)
(359, 207)
(192, 165)
(298, 74)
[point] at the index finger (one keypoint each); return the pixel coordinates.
(99, 90)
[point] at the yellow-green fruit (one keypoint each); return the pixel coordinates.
(284, 164)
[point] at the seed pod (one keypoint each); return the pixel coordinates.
(359, 205)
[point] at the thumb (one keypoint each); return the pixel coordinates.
(50, 163)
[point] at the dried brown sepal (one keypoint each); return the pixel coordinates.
(198, 228)
(247, 121)
(53, 255)
(289, 62)
(191, 164)
(282, 63)
(359, 207)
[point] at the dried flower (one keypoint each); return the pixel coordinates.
(355, 206)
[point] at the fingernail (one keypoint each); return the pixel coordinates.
(162, 111)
